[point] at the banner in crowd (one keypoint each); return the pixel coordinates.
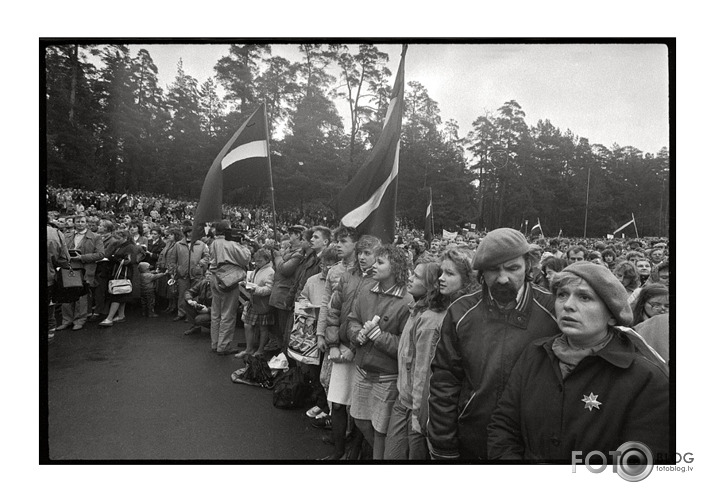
(369, 200)
(242, 161)
(448, 235)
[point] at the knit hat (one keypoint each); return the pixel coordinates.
(498, 246)
(144, 266)
(607, 287)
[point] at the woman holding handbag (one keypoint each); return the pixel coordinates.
(125, 260)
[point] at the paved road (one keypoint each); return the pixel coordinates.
(142, 390)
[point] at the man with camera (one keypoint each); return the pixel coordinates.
(227, 264)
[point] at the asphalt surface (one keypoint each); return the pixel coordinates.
(141, 390)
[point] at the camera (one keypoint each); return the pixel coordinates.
(235, 235)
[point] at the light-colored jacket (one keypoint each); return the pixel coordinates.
(188, 261)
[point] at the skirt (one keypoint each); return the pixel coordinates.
(250, 317)
(373, 400)
(341, 382)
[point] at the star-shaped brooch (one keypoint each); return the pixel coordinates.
(591, 402)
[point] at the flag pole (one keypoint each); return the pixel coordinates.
(634, 224)
(270, 173)
(431, 213)
(588, 186)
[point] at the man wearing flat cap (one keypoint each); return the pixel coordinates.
(481, 338)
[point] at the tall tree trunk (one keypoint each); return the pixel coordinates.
(74, 58)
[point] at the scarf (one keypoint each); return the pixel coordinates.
(570, 356)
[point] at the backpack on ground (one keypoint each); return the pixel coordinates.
(292, 389)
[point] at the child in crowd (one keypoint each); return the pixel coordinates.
(148, 289)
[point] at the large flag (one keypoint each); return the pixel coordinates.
(429, 228)
(242, 161)
(632, 221)
(538, 226)
(368, 202)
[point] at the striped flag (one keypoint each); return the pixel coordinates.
(429, 229)
(538, 226)
(632, 221)
(369, 200)
(242, 161)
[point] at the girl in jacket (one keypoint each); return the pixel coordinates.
(125, 260)
(257, 318)
(341, 351)
(593, 387)
(375, 323)
(405, 439)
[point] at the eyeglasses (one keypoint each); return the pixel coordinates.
(658, 306)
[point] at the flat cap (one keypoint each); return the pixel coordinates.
(498, 246)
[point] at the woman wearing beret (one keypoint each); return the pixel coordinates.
(593, 387)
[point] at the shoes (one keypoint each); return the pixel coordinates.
(64, 326)
(51, 336)
(120, 320)
(214, 350)
(94, 317)
(313, 412)
(77, 327)
(106, 323)
(322, 421)
(227, 352)
(242, 354)
(178, 318)
(193, 330)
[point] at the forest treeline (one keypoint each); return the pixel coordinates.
(111, 127)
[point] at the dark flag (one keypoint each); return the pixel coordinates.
(429, 228)
(369, 200)
(242, 161)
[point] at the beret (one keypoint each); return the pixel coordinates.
(607, 287)
(498, 246)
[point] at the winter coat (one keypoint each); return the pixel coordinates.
(56, 253)
(131, 255)
(477, 348)
(331, 284)
(379, 355)
(308, 268)
(616, 395)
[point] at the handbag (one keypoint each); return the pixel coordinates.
(303, 344)
(228, 276)
(119, 286)
(71, 278)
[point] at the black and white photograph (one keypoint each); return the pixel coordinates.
(366, 260)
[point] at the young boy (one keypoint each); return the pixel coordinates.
(148, 289)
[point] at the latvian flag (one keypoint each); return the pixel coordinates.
(537, 226)
(369, 200)
(242, 161)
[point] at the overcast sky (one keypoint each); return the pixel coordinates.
(608, 93)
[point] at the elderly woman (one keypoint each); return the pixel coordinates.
(592, 387)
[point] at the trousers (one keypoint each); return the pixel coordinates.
(224, 311)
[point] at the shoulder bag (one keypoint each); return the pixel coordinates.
(119, 286)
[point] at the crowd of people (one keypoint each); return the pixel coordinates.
(485, 345)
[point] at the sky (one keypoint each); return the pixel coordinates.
(608, 93)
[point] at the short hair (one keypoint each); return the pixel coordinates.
(576, 249)
(346, 232)
(108, 224)
(608, 251)
(367, 242)
(634, 254)
(399, 266)
(330, 255)
(646, 293)
(324, 231)
(262, 253)
(221, 227)
(554, 263)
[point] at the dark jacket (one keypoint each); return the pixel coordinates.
(284, 266)
(379, 356)
(477, 348)
(309, 267)
(543, 417)
(200, 292)
(131, 255)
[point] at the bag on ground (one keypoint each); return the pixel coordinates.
(292, 389)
